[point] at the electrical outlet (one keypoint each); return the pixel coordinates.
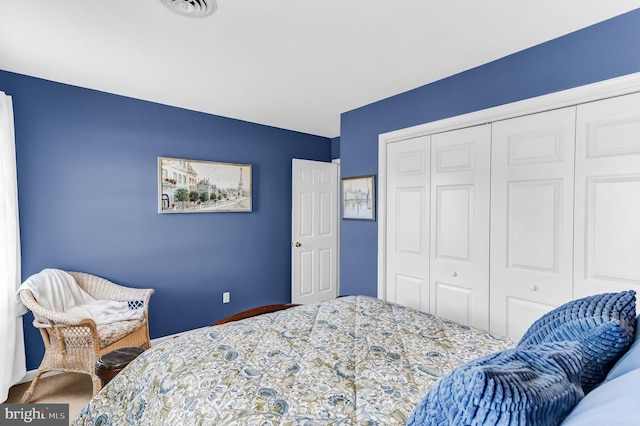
(226, 297)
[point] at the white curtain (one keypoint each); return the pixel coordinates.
(12, 358)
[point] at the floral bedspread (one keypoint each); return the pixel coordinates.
(349, 361)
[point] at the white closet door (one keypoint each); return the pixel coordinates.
(607, 220)
(460, 185)
(531, 218)
(407, 248)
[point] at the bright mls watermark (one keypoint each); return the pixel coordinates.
(34, 414)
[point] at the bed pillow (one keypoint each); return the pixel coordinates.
(614, 402)
(604, 324)
(526, 385)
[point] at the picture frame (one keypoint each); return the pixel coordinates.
(198, 186)
(359, 198)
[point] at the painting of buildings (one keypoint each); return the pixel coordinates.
(194, 186)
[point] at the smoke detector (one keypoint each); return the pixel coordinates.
(193, 8)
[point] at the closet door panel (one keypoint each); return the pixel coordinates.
(460, 185)
(531, 218)
(522, 313)
(607, 236)
(532, 237)
(407, 210)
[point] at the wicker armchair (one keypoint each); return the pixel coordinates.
(74, 344)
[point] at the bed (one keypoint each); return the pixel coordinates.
(351, 361)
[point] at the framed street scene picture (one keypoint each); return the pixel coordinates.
(359, 197)
(196, 186)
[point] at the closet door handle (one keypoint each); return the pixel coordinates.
(532, 287)
(454, 274)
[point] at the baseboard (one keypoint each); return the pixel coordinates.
(31, 374)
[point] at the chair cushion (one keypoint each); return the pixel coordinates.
(526, 385)
(110, 333)
(604, 324)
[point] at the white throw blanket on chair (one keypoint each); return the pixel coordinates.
(57, 291)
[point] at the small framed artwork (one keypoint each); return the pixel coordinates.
(359, 197)
(196, 186)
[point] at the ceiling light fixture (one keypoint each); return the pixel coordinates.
(193, 8)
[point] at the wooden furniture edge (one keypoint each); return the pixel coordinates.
(256, 311)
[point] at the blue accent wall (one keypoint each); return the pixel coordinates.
(335, 148)
(606, 50)
(87, 187)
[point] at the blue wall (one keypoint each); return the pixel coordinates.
(606, 50)
(87, 187)
(335, 148)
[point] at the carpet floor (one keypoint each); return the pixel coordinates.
(74, 389)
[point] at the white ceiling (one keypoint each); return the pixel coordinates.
(294, 64)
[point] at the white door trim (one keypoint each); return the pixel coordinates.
(592, 92)
(336, 161)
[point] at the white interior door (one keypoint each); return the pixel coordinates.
(407, 230)
(531, 218)
(607, 220)
(314, 232)
(460, 196)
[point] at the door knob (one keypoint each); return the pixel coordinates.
(532, 287)
(454, 274)
(298, 244)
